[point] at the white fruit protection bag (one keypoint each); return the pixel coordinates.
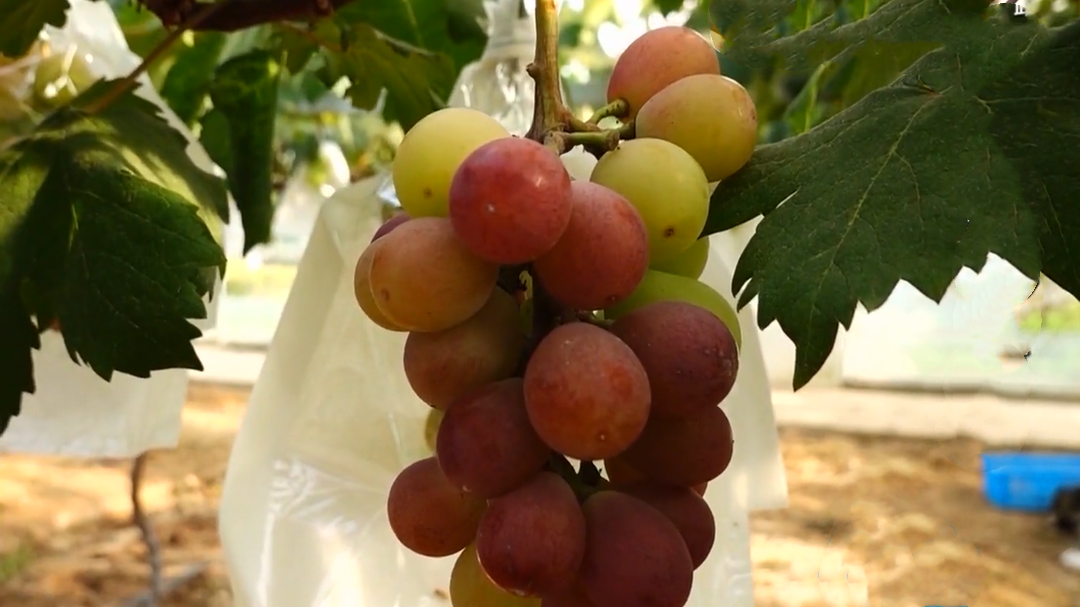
(332, 418)
(74, 412)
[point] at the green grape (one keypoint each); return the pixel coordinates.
(710, 116)
(431, 153)
(660, 286)
(470, 586)
(690, 263)
(666, 185)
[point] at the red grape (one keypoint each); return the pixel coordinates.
(586, 393)
(602, 255)
(688, 354)
(531, 540)
(634, 556)
(510, 200)
(444, 366)
(485, 444)
(428, 514)
(683, 507)
(657, 59)
(683, 450)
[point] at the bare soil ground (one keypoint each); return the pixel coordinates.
(873, 522)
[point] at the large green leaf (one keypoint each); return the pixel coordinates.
(974, 149)
(22, 20)
(239, 135)
(187, 83)
(103, 228)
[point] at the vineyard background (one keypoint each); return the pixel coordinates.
(870, 514)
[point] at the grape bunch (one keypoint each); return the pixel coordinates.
(573, 361)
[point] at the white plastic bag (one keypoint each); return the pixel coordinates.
(74, 412)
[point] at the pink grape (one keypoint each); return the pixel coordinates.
(510, 200)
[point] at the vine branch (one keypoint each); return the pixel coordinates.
(204, 12)
(243, 14)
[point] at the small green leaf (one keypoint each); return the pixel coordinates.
(434, 25)
(245, 94)
(188, 82)
(973, 150)
(416, 81)
(21, 21)
(103, 226)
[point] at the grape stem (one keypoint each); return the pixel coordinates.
(616, 109)
(553, 124)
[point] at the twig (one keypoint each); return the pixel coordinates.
(142, 521)
(131, 80)
(550, 115)
(245, 13)
(171, 585)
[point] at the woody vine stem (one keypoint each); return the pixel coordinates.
(554, 125)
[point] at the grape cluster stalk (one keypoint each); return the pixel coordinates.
(573, 362)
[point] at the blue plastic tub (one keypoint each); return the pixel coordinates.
(1028, 481)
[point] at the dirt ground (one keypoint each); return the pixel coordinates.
(873, 522)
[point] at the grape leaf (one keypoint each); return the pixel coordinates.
(416, 81)
(19, 336)
(239, 135)
(187, 83)
(974, 149)
(412, 49)
(104, 227)
(421, 23)
(753, 30)
(22, 20)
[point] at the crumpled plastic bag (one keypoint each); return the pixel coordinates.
(332, 420)
(74, 412)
